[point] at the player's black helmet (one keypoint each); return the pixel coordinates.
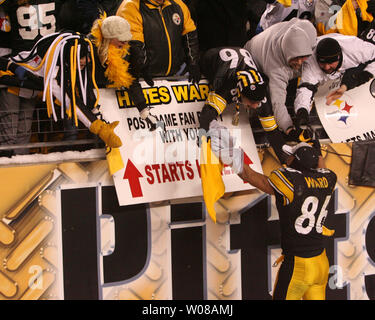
(252, 84)
(306, 156)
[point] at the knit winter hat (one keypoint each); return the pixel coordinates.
(115, 27)
(328, 50)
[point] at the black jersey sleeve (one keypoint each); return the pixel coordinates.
(282, 185)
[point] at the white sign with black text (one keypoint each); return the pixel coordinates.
(164, 164)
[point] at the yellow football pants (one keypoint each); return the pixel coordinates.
(302, 278)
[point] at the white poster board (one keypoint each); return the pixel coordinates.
(349, 118)
(163, 165)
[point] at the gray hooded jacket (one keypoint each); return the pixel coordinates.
(272, 50)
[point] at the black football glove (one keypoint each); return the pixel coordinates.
(315, 143)
(354, 77)
(302, 117)
(300, 135)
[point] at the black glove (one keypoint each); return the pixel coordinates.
(302, 117)
(138, 62)
(356, 76)
(194, 73)
(147, 77)
(371, 7)
(316, 144)
(301, 135)
(207, 114)
(136, 96)
(192, 54)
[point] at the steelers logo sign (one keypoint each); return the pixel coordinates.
(341, 113)
(176, 19)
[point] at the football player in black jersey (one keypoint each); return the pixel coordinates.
(234, 78)
(303, 191)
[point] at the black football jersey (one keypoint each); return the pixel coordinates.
(32, 22)
(220, 65)
(302, 200)
(369, 33)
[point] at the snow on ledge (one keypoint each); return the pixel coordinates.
(67, 156)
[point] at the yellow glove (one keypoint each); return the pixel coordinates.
(105, 131)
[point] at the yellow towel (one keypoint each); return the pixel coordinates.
(346, 20)
(212, 183)
(328, 232)
(285, 3)
(114, 160)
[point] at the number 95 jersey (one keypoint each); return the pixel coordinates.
(302, 200)
(31, 22)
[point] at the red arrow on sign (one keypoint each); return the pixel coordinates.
(133, 175)
(247, 159)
